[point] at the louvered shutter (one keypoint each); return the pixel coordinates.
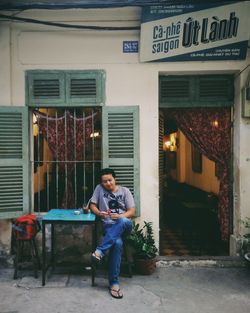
(161, 161)
(121, 146)
(14, 170)
(65, 88)
(215, 88)
(196, 91)
(45, 88)
(85, 87)
(175, 90)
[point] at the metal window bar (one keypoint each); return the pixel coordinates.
(75, 156)
(65, 158)
(90, 161)
(57, 186)
(84, 157)
(93, 148)
(47, 171)
(38, 169)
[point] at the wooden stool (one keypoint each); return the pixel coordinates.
(128, 259)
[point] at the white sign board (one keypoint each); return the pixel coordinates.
(195, 32)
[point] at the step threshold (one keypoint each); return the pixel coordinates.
(201, 261)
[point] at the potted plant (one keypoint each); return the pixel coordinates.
(142, 240)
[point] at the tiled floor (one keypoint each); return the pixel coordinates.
(174, 243)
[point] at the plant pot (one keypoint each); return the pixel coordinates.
(145, 266)
(247, 256)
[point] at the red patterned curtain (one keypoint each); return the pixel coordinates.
(66, 138)
(209, 130)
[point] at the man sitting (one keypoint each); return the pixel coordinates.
(114, 204)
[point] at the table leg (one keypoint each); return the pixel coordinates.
(94, 239)
(95, 235)
(43, 254)
(52, 246)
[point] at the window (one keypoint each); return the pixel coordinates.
(67, 156)
(196, 91)
(65, 88)
(67, 135)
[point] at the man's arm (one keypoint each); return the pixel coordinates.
(94, 203)
(93, 207)
(129, 214)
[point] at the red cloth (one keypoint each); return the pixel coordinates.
(66, 138)
(26, 227)
(209, 130)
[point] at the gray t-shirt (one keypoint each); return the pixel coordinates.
(117, 202)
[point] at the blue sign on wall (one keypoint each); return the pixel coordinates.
(130, 46)
(192, 32)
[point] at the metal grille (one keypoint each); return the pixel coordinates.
(52, 172)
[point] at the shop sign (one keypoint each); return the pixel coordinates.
(195, 32)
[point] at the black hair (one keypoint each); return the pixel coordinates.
(106, 171)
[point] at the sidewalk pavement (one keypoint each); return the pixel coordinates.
(174, 288)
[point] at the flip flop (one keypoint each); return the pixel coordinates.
(116, 293)
(96, 258)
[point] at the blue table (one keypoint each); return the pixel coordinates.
(63, 216)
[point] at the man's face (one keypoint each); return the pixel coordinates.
(108, 182)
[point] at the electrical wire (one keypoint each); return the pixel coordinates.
(64, 25)
(242, 70)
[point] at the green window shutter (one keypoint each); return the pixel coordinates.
(121, 146)
(196, 91)
(175, 90)
(14, 158)
(85, 87)
(65, 88)
(217, 89)
(45, 88)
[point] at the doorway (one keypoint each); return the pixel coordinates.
(192, 184)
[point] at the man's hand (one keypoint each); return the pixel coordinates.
(103, 214)
(115, 216)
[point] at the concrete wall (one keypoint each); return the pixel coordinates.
(241, 153)
(128, 82)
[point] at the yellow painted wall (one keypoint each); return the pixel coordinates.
(206, 180)
(39, 182)
(41, 170)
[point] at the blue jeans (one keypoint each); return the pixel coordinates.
(112, 241)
